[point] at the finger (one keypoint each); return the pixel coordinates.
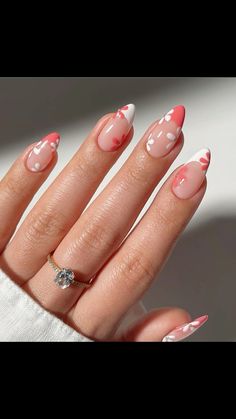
(163, 325)
(22, 181)
(155, 325)
(132, 269)
(103, 226)
(64, 201)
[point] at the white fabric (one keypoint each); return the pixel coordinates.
(23, 320)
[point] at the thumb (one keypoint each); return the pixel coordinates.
(166, 324)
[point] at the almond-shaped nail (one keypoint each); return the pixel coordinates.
(189, 178)
(42, 153)
(185, 330)
(166, 132)
(115, 132)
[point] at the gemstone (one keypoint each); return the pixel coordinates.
(64, 278)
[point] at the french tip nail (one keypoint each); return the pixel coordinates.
(53, 137)
(176, 114)
(179, 115)
(181, 108)
(129, 112)
(131, 106)
(116, 131)
(203, 157)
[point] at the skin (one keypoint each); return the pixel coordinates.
(92, 242)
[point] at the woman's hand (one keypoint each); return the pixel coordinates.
(94, 243)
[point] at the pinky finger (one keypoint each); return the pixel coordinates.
(22, 181)
(163, 325)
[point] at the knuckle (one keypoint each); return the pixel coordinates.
(138, 171)
(5, 235)
(137, 175)
(136, 269)
(167, 219)
(162, 218)
(81, 167)
(95, 236)
(12, 185)
(84, 166)
(41, 226)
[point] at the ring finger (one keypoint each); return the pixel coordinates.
(130, 272)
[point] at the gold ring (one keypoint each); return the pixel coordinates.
(65, 276)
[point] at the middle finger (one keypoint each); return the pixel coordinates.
(103, 226)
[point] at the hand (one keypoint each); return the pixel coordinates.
(95, 243)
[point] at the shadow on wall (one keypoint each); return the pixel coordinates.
(31, 105)
(200, 276)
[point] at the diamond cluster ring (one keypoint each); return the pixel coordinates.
(65, 277)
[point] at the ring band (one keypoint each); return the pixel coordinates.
(65, 276)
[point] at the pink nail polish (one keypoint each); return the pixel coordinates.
(187, 329)
(190, 176)
(166, 132)
(116, 130)
(42, 153)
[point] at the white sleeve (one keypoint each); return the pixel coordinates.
(23, 320)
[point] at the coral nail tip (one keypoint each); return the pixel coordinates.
(53, 136)
(179, 115)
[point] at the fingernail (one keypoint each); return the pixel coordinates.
(116, 130)
(42, 153)
(190, 176)
(166, 132)
(187, 329)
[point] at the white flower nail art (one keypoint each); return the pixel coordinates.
(185, 330)
(36, 150)
(190, 326)
(167, 117)
(171, 136)
(149, 143)
(37, 166)
(42, 153)
(165, 133)
(169, 338)
(203, 157)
